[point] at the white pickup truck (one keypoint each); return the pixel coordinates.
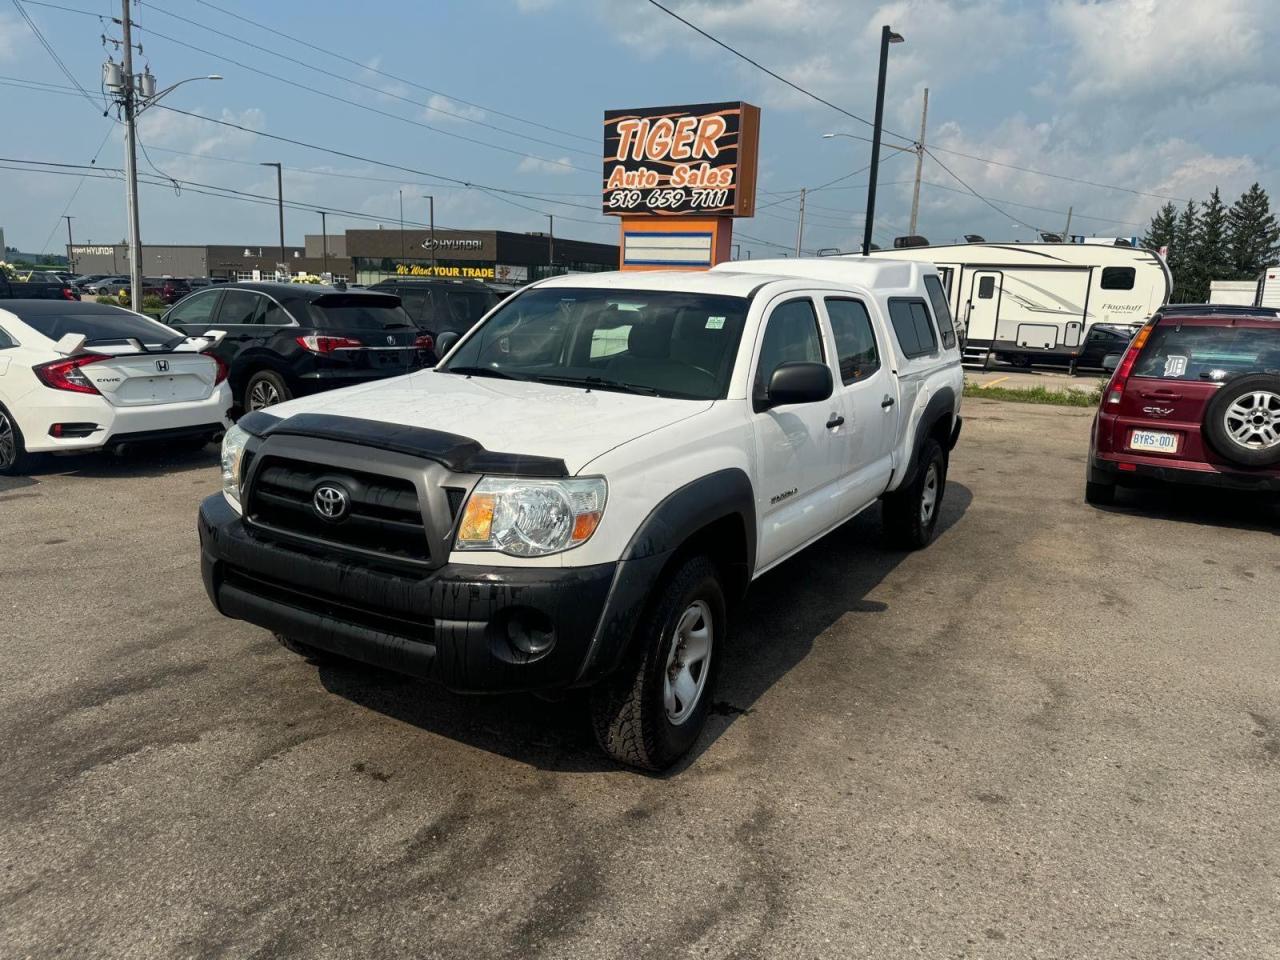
(589, 481)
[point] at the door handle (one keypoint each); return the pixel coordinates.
(835, 421)
(887, 402)
(1161, 395)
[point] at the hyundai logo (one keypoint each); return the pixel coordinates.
(162, 366)
(330, 502)
(391, 341)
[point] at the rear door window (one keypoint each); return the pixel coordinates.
(1179, 351)
(855, 339)
(239, 307)
(197, 308)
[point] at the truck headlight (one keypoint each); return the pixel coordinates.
(233, 444)
(531, 518)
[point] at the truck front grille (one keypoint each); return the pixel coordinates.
(382, 515)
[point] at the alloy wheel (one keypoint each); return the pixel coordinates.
(1253, 420)
(263, 394)
(929, 495)
(688, 662)
(8, 442)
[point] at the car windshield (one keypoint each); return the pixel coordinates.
(102, 329)
(1201, 352)
(361, 312)
(647, 341)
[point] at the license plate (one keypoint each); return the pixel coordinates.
(1155, 441)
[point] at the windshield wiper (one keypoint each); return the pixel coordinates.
(601, 383)
(486, 372)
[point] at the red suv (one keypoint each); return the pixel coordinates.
(1194, 399)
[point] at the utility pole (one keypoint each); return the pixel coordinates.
(279, 203)
(324, 243)
(1066, 234)
(800, 227)
(887, 36)
(915, 196)
(131, 161)
(400, 194)
(431, 206)
(551, 242)
(71, 259)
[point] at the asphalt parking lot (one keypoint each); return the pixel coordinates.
(1054, 733)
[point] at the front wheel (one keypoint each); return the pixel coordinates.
(651, 712)
(909, 515)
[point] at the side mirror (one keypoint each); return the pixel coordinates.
(446, 341)
(799, 381)
(1110, 362)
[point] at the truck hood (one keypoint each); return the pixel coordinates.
(507, 416)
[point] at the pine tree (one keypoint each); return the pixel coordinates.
(1213, 260)
(1160, 233)
(1253, 234)
(1183, 260)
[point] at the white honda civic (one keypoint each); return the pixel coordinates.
(78, 376)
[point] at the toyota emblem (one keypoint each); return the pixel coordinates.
(330, 502)
(162, 366)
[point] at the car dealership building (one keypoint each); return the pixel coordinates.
(366, 256)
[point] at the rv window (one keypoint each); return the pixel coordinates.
(1118, 278)
(912, 327)
(986, 288)
(941, 310)
(855, 340)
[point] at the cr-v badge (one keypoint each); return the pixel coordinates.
(1157, 411)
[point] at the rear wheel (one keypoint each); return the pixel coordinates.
(1099, 494)
(265, 388)
(909, 515)
(14, 459)
(652, 711)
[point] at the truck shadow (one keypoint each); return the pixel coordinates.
(142, 460)
(785, 612)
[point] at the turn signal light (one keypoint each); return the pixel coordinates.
(477, 519)
(66, 375)
(318, 343)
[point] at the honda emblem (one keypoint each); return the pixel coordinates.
(162, 366)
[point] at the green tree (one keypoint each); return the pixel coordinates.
(1183, 259)
(1160, 233)
(1213, 259)
(1253, 234)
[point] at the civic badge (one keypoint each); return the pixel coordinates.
(162, 366)
(330, 502)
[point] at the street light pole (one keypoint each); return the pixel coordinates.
(400, 194)
(431, 201)
(71, 259)
(551, 242)
(280, 204)
(324, 243)
(887, 36)
(800, 227)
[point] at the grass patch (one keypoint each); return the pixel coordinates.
(1056, 398)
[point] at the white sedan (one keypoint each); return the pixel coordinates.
(78, 376)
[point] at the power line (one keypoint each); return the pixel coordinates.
(76, 192)
(777, 76)
(392, 76)
(22, 12)
(1003, 213)
(1015, 203)
(367, 86)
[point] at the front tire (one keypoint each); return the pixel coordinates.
(651, 712)
(909, 515)
(265, 389)
(14, 458)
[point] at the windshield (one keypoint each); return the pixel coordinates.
(361, 312)
(1193, 352)
(652, 341)
(101, 329)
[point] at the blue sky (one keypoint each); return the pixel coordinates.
(1167, 97)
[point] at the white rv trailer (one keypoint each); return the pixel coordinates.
(1035, 302)
(1268, 288)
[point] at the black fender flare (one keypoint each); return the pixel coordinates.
(941, 405)
(677, 517)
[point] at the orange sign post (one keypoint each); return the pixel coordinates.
(677, 176)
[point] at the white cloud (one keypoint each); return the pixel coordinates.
(442, 108)
(10, 29)
(562, 165)
(534, 6)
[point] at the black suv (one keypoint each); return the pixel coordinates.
(441, 306)
(289, 339)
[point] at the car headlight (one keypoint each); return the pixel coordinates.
(233, 444)
(531, 518)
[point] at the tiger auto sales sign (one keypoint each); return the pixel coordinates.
(697, 160)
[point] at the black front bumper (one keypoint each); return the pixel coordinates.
(1108, 471)
(473, 628)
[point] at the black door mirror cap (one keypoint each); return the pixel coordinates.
(446, 342)
(799, 381)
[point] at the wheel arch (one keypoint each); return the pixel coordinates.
(937, 423)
